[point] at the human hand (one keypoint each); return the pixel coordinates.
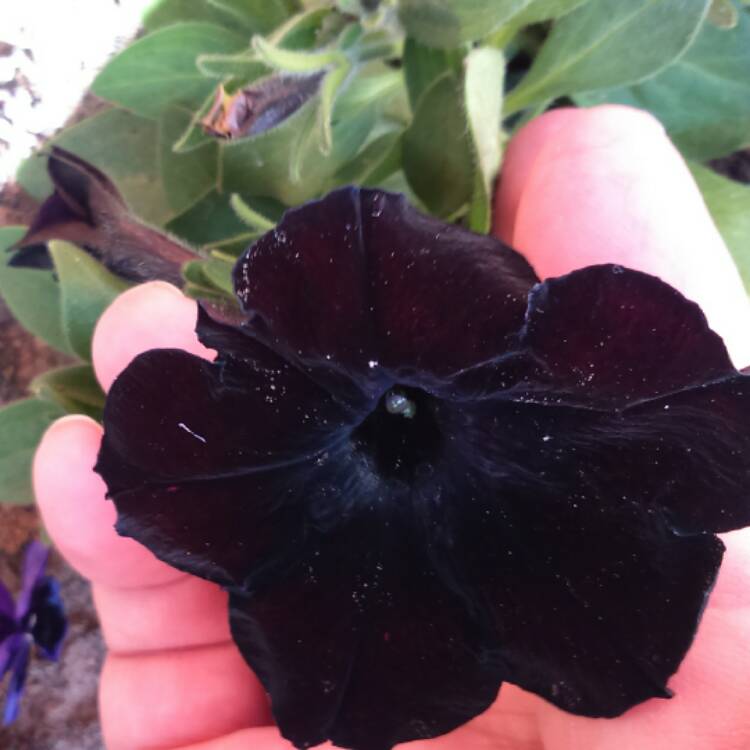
(579, 187)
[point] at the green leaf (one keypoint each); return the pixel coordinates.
(124, 147)
(190, 175)
(286, 162)
(249, 216)
(607, 43)
(437, 154)
(294, 61)
(544, 10)
(32, 295)
(170, 12)
(74, 389)
(483, 92)
(161, 68)
(729, 204)
(213, 223)
(703, 99)
(242, 69)
(22, 425)
(451, 23)
(304, 30)
(86, 289)
(256, 16)
(377, 161)
(423, 65)
(219, 272)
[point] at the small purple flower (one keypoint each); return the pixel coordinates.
(420, 473)
(36, 617)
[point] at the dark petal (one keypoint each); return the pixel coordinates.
(361, 643)
(628, 595)
(237, 345)
(608, 336)
(171, 416)
(195, 475)
(18, 667)
(223, 529)
(34, 563)
(581, 530)
(360, 277)
(689, 454)
(49, 624)
(594, 599)
(684, 456)
(87, 209)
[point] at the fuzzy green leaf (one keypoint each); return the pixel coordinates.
(22, 425)
(607, 43)
(483, 93)
(703, 99)
(187, 176)
(74, 389)
(729, 204)
(451, 23)
(256, 16)
(32, 295)
(286, 162)
(423, 65)
(544, 10)
(86, 289)
(437, 154)
(161, 68)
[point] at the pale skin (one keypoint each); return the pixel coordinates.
(578, 187)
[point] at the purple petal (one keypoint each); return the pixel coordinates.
(19, 667)
(360, 279)
(7, 606)
(34, 563)
(8, 648)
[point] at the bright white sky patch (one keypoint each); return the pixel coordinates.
(69, 40)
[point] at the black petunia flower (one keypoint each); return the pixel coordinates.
(421, 473)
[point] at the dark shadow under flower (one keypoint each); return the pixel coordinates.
(37, 617)
(421, 473)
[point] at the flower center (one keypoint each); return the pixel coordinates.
(401, 436)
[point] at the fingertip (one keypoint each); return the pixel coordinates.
(154, 315)
(71, 501)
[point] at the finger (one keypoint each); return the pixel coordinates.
(257, 738)
(712, 687)
(155, 315)
(143, 603)
(75, 512)
(185, 613)
(71, 500)
(173, 698)
(606, 185)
